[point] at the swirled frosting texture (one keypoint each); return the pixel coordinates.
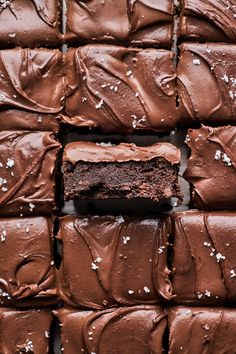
(27, 23)
(202, 330)
(211, 167)
(31, 79)
(120, 89)
(137, 329)
(206, 82)
(27, 275)
(27, 165)
(24, 331)
(210, 20)
(142, 22)
(115, 269)
(204, 257)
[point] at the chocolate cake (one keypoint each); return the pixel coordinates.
(31, 79)
(98, 171)
(29, 23)
(208, 20)
(25, 331)
(144, 23)
(137, 329)
(203, 261)
(206, 83)
(120, 89)
(27, 276)
(27, 164)
(16, 119)
(211, 167)
(115, 268)
(202, 330)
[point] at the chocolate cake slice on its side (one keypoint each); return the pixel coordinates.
(105, 171)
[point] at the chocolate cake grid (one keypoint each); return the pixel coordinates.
(153, 283)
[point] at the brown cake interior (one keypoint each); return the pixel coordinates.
(156, 179)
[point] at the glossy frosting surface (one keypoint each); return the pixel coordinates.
(29, 23)
(27, 165)
(115, 269)
(92, 152)
(212, 20)
(120, 89)
(24, 331)
(31, 79)
(145, 22)
(211, 167)
(202, 330)
(206, 82)
(27, 276)
(204, 266)
(137, 329)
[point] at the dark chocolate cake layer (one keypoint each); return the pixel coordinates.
(27, 23)
(120, 89)
(27, 178)
(208, 20)
(203, 260)
(137, 329)
(24, 331)
(201, 330)
(104, 263)
(27, 273)
(16, 119)
(95, 171)
(142, 22)
(206, 83)
(211, 167)
(31, 79)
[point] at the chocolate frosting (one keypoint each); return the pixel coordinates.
(29, 23)
(211, 20)
(27, 276)
(120, 89)
(206, 82)
(31, 79)
(15, 119)
(137, 329)
(24, 331)
(212, 165)
(202, 330)
(115, 268)
(204, 267)
(27, 164)
(95, 152)
(142, 22)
